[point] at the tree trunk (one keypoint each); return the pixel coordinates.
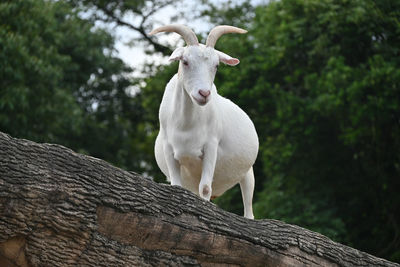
(60, 208)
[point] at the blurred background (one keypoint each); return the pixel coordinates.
(319, 78)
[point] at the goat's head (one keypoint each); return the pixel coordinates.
(198, 63)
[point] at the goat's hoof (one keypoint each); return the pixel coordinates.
(249, 216)
(205, 192)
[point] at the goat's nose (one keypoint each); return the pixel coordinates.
(204, 93)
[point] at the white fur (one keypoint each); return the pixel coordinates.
(205, 144)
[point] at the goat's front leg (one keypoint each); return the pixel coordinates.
(208, 167)
(174, 168)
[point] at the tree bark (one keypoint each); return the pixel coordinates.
(60, 208)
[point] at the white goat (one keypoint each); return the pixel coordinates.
(206, 143)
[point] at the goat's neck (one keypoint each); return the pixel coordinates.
(188, 113)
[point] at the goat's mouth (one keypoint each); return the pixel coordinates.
(201, 101)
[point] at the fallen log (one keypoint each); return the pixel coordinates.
(61, 208)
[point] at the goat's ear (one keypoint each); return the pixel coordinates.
(177, 54)
(226, 59)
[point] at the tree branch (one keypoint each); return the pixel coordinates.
(141, 30)
(60, 208)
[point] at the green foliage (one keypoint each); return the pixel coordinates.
(61, 82)
(31, 97)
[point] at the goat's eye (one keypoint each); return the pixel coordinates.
(185, 62)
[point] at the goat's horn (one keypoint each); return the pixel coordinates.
(220, 30)
(188, 35)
